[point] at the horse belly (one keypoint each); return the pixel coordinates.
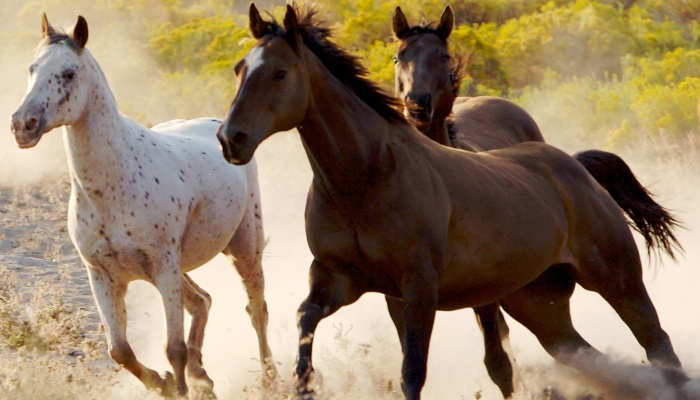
(213, 222)
(477, 279)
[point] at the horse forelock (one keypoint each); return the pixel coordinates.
(422, 29)
(346, 67)
(60, 38)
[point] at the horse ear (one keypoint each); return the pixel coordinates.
(400, 24)
(80, 32)
(292, 28)
(447, 22)
(46, 28)
(258, 27)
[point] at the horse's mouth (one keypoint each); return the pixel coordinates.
(30, 140)
(28, 144)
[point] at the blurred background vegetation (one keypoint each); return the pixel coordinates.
(606, 73)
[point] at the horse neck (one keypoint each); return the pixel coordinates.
(438, 131)
(438, 128)
(345, 139)
(97, 144)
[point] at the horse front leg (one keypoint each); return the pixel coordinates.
(245, 251)
(421, 297)
(495, 332)
(328, 292)
(109, 297)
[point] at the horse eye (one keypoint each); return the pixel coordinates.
(396, 59)
(68, 75)
(32, 68)
(280, 74)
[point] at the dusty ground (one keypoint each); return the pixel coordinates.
(52, 346)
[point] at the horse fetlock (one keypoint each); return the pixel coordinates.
(123, 355)
(177, 354)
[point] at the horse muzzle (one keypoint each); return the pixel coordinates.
(419, 107)
(234, 146)
(27, 129)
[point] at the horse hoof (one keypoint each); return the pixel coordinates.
(199, 378)
(675, 377)
(269, 376)
(202, 393)
(169, 387)
(305, 394)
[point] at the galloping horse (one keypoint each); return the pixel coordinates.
(145, 204)
(391, 211)
(427, 80)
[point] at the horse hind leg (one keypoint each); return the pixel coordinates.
(495, 332)
(628, 296)
(245, 249)
(109, 297)
(197, 303)
(543, 308)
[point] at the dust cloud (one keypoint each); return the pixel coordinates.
(357, 354)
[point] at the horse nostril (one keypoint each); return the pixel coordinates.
(31, 124)
(239, 138)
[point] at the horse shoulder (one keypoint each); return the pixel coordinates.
(330, 234)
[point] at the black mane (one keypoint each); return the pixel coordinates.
(346, 67)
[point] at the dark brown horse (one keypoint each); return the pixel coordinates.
(427, 80)
(391, 211)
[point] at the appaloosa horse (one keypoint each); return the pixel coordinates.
(427, 80)
(391, 211)
(147, 204)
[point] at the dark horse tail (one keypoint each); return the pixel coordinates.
(648, 217)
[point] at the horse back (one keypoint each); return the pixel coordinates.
(486, 123)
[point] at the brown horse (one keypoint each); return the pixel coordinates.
(391, 211)
(427, 80)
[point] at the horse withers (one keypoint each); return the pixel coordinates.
(150, 204)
